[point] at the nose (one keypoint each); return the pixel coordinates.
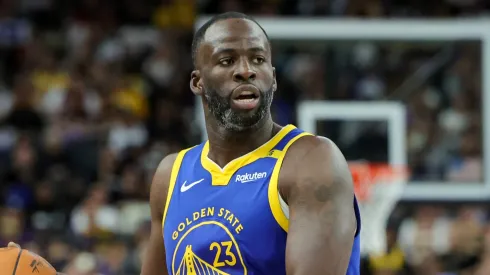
(244, 72)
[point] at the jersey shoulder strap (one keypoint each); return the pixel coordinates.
(173, 179)
(276, 203)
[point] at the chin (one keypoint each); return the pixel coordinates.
(245, 123)
(245, 113)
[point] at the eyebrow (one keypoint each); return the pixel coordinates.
(231, 50)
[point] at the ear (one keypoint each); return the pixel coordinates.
(274, 84)
(196, 83)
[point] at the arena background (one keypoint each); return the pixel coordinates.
(93, 94)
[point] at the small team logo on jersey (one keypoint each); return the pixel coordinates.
(248, 177)
(274, 153)
(206, 244)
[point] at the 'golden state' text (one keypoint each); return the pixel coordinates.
(222, 213)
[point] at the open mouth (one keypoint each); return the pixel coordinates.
(246, 96)
(246, 100)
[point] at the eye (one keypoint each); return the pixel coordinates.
(226, 61)
(259, 60)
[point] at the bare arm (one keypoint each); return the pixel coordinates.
(154, 262)
(322, 219)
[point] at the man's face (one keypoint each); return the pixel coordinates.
(236, 77)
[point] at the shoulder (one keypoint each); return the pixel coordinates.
(162, 177)
(313, 162)
(309, 143)
(161, 181)
(165, 166)
(310, 149)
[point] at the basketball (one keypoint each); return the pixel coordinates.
(16, 261)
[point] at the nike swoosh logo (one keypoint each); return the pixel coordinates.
(184, 187)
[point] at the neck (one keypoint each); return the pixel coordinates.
(225, 146)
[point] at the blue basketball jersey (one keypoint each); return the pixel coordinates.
(231, 220)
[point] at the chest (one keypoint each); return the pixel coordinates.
(239, 208)
(223, 227)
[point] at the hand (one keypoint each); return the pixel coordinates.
(12, 244)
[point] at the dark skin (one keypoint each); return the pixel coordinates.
(155, 261)
(314, 179)
(233, 54)
(317, 185)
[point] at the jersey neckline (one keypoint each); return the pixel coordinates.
(221, 175)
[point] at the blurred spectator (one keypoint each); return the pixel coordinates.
(176, 14)
(391, 263)
(23, 115)
(466, 164)
(47, 214)
(84, 263)
(426, 234)
(12, 226)
(58, 254)
(94, 94)
(95, 217)
(113, 256)
(132, 194)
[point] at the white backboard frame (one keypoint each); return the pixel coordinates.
(309, 112)
(388, 29)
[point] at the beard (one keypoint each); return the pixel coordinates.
(233, 120)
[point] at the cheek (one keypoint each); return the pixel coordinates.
(268, 76)
(217, 85)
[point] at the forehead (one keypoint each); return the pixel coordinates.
(236, 32)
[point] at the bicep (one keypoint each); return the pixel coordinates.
(154, 262)
(322, 222)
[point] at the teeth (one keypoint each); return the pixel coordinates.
(246, 93)
(246, 99)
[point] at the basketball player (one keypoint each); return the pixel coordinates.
(256, 198)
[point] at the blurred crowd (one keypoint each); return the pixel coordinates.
(93, 94)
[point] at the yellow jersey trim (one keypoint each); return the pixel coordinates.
(273, 192)
(222, 176)
(173, 180)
